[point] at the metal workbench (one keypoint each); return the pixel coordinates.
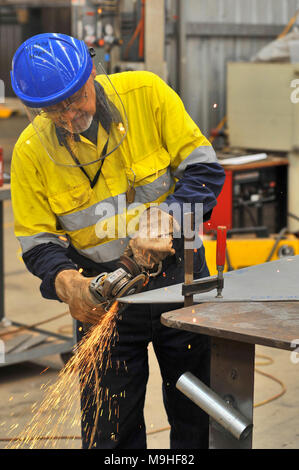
(28, 343)
(259, 306)
(235, 328)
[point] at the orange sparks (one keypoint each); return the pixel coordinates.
(121, 128)
(88, 363)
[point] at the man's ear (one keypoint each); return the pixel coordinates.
(93, 72)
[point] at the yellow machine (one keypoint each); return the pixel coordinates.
(5, 112)
(243, 252)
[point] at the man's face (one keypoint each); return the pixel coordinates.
(75, 114)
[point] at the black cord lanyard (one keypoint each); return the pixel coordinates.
(95, 179)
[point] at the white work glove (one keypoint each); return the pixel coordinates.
(73, 289)
(153, 242)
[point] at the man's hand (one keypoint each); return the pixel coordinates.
(153, 242)
(73, 289)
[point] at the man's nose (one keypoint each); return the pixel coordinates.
(70, 114)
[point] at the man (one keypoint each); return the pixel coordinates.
(125, 142)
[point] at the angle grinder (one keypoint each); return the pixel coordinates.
(127, 279)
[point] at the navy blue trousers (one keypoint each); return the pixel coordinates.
(121, 421)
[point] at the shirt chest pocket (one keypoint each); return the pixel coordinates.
(70, 201)
(150, 176)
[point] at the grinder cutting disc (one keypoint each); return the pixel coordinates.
(132, 287)
(129, 265)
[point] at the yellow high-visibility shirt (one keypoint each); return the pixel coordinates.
(52, 203)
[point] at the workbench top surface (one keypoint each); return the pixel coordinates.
(272, 324)
(268, 162)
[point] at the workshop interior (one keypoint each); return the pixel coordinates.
(235, 66)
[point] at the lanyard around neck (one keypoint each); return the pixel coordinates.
(92, 182)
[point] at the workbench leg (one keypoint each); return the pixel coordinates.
(232, 378)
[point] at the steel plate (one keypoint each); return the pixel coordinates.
(273, 281)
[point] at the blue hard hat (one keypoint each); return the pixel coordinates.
(48, 68)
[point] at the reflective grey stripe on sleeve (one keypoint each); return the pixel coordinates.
(204, 154)
(116, 205)
(106, 252)
(34, 240)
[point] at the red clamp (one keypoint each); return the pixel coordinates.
(221, 246)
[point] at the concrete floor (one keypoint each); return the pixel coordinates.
(275, 423)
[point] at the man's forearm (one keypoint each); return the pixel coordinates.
(200, 184)
(46, 261)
